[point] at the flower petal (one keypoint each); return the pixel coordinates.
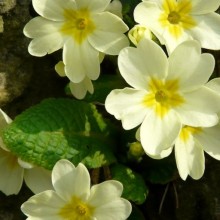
(45, 205)
(45, 45)
(105, 192)
(115, 7)
(126, 105)
(165, 131)
(204, 6)
(214, 85)
(24, 164)
(80, 89)
(189, 158)
(39, 27)
(163, 154)
(137, 66)
(109, 22)
(11, 174)
(118, 209)
(197, 113)
(181, 156)
(94, 6)
(69, 181)
(207, 31)
(47, 37)
(196, 162)
(38, 179)
(53, 9)
(4, 119)
(148, 13)
(80, 60)
(209, 139)
(60, 68)
(172, 42)
(198, 119)
(108, 37)
(198, 69)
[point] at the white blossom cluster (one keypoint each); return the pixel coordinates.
(171, 100)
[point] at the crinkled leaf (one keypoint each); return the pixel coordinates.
(61, 128)
(135, 188)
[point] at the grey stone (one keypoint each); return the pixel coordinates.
(6, 5)
(1, 25)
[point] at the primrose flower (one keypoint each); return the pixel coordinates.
(193, 141)
(166, 93)
(13, 170)
(72, 197)
(190, 146)
(175, 21)
(82, 28)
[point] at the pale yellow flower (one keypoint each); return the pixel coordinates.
(83, 28)
(72, 197)
(13, 170)
(175, 21)
(190, 146)
(166, 93)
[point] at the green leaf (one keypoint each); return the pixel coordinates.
(159, 171)
(103, 86)
(128, 11)
(61, 128)
(135, 188)
(136, 214)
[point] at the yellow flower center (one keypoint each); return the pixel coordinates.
(81, 23)
(81, 210)
(176, 16)
(78, 24)
(187, 131)
(76, 210)
(163, 96)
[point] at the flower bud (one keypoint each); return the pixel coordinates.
(136, 150)
(138, 32)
